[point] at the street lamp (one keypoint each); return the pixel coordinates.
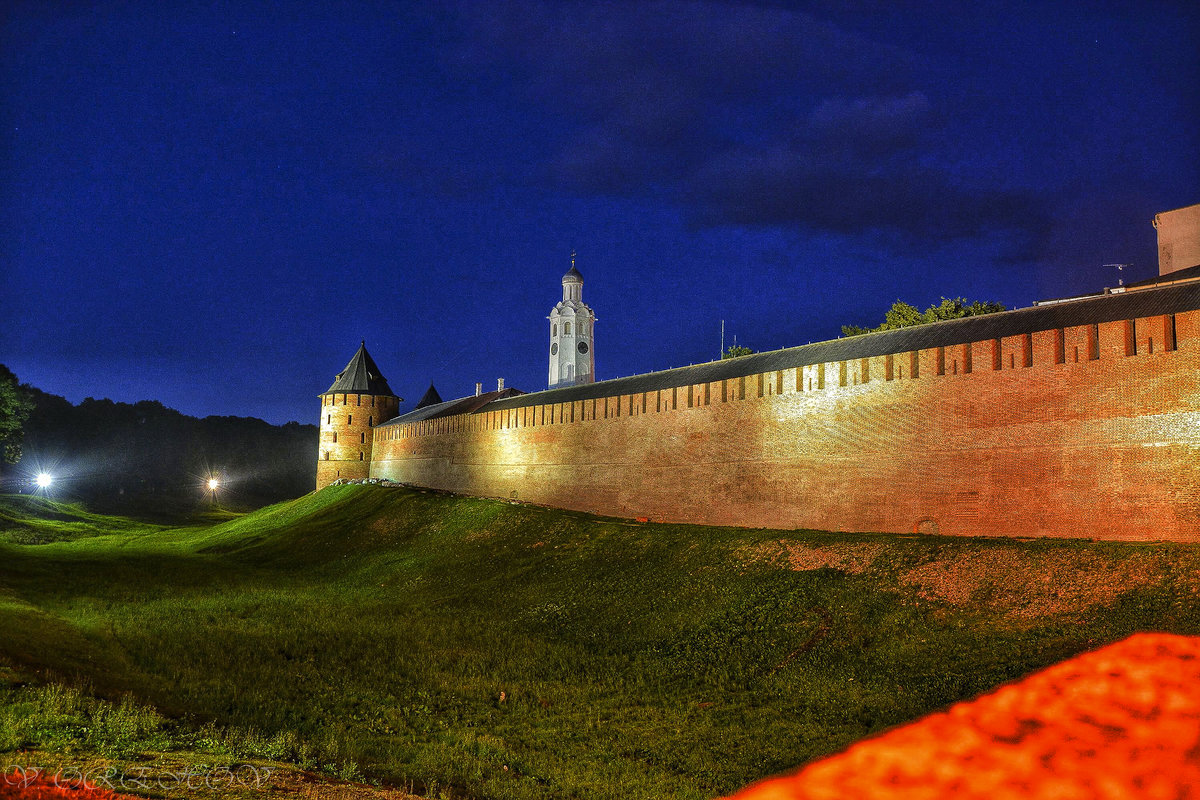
(44, 479)
(213, 485)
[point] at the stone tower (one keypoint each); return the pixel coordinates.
(572, 324)
(358, 400)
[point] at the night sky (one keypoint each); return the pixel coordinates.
(210, 204)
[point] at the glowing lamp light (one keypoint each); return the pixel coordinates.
(44, 479)
(213, 483)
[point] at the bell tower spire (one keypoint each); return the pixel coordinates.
(572, 326)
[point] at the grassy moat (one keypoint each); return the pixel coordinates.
(478, 649)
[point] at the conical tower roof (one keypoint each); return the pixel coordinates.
(361, 376)
(431, 397)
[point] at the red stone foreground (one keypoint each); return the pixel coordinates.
(1119, 722)
(19, 785)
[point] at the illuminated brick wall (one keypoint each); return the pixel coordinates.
(347, 433)
(1087, 431)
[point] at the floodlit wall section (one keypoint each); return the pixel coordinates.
(1089, 431)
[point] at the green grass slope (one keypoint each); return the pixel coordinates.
(33, 519)
(506, 651)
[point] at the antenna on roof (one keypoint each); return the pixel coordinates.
(1120, 267)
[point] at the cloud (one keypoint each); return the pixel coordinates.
(789, 187)
(873, 125)
(742, 115)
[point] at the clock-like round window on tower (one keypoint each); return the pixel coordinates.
(583, 348)
(554, 349)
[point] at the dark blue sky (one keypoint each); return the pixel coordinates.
(210, 204)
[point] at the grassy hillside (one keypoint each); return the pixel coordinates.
(504, 651)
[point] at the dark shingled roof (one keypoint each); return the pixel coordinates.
(1101, 308)
(431, 397)
(1189, 274)
(573, 274)
(449, 408)
(361, 376)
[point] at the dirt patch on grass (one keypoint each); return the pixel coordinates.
(310, 786)
(1026, 585)
(852, 558)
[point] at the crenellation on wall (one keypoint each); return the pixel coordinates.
(1187, 331)
(1057, 348)
(1111, 339)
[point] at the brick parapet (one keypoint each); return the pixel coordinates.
(1090, 430)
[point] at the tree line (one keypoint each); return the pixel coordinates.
(903, 315)
(125, 455)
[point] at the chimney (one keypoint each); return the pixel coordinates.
(499, 384)
(478, 389)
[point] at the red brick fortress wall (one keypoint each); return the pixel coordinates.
(1089, 431)
(347, 433)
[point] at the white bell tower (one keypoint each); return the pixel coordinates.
(572, 324)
